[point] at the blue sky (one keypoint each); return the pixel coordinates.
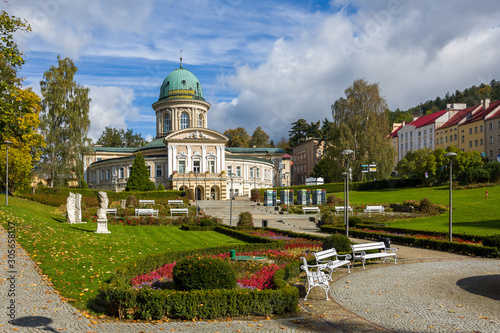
(260, 63)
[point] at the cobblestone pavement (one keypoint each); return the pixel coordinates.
(422, 280)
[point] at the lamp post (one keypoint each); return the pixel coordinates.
(450, 155)
(287, 196)
(196, 193)
(7, 143)
(346, 153)
(231, 175)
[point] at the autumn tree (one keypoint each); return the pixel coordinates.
(259, 138)
(360, 123)
(139, 176)
(112, 137)
(65, 122)
(284, 144)
(238, 137)
(20, 108)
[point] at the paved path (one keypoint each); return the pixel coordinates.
(422, 280)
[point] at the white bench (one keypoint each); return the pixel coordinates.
(359, 252)
(374, 209)
(316, 278)
(175, 202)
(111, 211)
(178, 211)
(146, 202)
(311, 209)
(341, 209)
(146, 212)
(329, 260)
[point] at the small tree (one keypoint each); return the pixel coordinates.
(245, 220)
(139, 176)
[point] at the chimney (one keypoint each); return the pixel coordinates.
(485, 103)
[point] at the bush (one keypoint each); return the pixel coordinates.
(354, 221)
(83, 185)
(161, 187)
(207, 222)
(190, 194)
(333, 200)
(204, 273)
(255, 195)
(131, 201)
(492, 241)
(341, 243)
(245, 220)
(426, 207)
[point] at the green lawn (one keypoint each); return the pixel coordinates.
(77, 260)
(472, 213)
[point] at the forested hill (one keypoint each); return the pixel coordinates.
(470, 96)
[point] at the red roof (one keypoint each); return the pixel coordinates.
(495, 114)
(395, 132)
(460, 115)
(428, 119)
(483, 113)
(286, 156)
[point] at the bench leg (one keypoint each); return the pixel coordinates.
(349, 267)
(363, 262)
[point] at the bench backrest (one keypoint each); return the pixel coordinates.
(175, 202)
(367, 246)
(325, 254)
(374, 207)
(144, 210)
(178, 210)
(146, 202)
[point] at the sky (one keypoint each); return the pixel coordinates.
(261, 63)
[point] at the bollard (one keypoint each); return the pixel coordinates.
(232, 254)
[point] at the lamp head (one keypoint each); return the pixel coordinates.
(347, 152)
(7, 143)
(450, 154)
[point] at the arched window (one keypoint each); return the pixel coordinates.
(184, 120)
(200, 120)
(166, 123)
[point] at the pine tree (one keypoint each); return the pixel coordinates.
(139, 176)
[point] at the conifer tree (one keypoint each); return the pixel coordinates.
(139, 176)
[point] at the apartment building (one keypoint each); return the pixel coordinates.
(492, 126)
(305, 157)
(448, 133)
(473, 128)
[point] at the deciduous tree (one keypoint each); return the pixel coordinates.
(112, 137)
(360, 123)
(238, 137)
(259, 138)
(65, 122)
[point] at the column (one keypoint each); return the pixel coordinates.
(189, 167)
(204, 166)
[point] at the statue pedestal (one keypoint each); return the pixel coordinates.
(102, 226)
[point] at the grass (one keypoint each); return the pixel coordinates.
(77, 260)
(472, 213)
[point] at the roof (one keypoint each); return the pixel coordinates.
(181, 84)
(286, 156)
(239, 150)
(459, 116)
(395, 132)
(248, 158)
(156, 143)
(483, 113)
(114, 149)
(427, 119)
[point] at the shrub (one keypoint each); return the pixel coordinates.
(255, 195)
(161, 187)
(245, 220)
(83, 185)
(190, 194)
(426, 207)
(204, 273)
(492, 241)
(341, 243)
(131, 201)
(207, 222)
(333, 200)
(354, 221)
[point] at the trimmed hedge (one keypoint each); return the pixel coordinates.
(462, 248)
(121, 300)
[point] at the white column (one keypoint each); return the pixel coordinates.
(189, 167)
(204, 162)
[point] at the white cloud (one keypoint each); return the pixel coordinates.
(110, 107)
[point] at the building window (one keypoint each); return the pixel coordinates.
(481, 129)
(211, 166)
(470, 144)
(470, 130)
(451, 137)
(490, 139)
(491, 153)
(258, 173)
(182, 166)
(184, 120)
(475, 143)
(122, 173)
(475, 129)
(425, 132)
(491, 126)
(251, 172)
(481, 142)
(166, 123)
(102, 174)
(99, 159)
(129, 171)
(108, 174)
(159, 170)
(149, 170)
(463, 139)
(229, 169)
(238, 171)
(455, 137)
(196, 166)
(200, 120)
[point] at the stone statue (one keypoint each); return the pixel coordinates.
(103, 206)
(78, 208)
(70, 208)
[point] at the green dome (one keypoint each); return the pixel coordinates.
(181, 84)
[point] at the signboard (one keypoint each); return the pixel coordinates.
(373, 168)
(364, 168)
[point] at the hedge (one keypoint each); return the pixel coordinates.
(122, 300)
(462, 248)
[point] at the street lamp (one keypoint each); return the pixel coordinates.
(231, 175)
(450, 155)
(287, 196)
(7, 143)
(346, 153)
(196, 193)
